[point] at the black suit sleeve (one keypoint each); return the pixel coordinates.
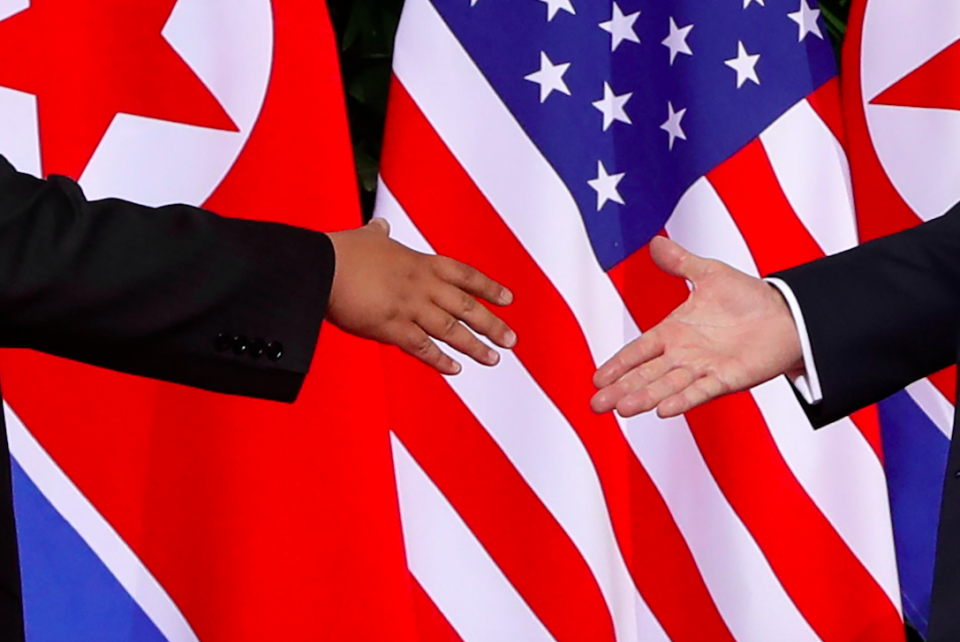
(882, 315)
(148, 291)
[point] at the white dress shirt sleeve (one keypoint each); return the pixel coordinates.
(808, 383)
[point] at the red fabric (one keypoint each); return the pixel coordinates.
(263, 521)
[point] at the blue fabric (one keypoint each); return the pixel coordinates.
(68, 594)
(915, 453)
(506, 37)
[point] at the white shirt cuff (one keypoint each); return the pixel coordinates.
(808, 383)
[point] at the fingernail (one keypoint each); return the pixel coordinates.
(493, 358)
(506, 297)
(457, 368)
(510, 339)
(599, 402)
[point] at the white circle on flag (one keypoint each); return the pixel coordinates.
(229, 45)
(918, 148)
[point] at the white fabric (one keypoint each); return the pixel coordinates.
(808, 383)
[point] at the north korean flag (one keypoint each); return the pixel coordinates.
(149, 511)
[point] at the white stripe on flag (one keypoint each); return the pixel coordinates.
(548, 454)
(105, 542)
(732, 564)
(452, 566)
(934, 404)
(812, 169)
(842, 474)
(20, 131)
(825, 462)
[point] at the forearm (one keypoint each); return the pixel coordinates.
(882, 315)
(148, 291)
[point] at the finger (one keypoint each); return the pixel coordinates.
(445, 327)
(421, 346)
(477, 316)
(630, 383)
(650, 396)
(676, 261)
(472, 281)
(700, 392)
(632, 355)
(379, 225)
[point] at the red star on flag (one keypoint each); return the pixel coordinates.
(930, 86)
(88, 61)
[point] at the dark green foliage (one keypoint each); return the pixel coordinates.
(365, 31)
(835, 14)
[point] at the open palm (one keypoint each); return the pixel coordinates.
(733, 332)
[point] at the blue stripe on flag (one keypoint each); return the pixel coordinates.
(916, 454)
(68, 593)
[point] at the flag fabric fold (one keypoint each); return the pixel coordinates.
(546, 143)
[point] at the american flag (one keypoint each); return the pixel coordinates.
(546, 142)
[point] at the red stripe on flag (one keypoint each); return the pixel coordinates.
(777, 239)
(815, 566)
(946, 382)
(826, 102)
(832, 589)
(501, 510)
(428, 181)
(432, 626)
(661, 293)
(867, 422)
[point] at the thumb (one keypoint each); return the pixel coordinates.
(380, 226)
(676, 261)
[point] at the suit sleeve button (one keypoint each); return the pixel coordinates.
(257, 348)
(274, 350)
(223, 342)
(240, 345)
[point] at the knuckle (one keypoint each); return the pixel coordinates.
(450, 327)
(467, 274)
(468, 305)
(442, 264)
(423, 347)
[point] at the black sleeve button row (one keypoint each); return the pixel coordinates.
(257, 348)
(241, 345)
(274, 351)
(223, 342)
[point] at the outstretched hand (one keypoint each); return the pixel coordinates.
(733, 332)
(383, 290)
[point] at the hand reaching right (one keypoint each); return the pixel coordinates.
(383, 290)
(733, 332)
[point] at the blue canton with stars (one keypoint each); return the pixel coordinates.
(633, 101)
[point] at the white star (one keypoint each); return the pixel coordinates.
(606, 186)
(672, 126)
(550, 77)
(807, 19)
(553, 6)
(746, 3)
(677, 40)
(612, 107)
(745, 66)
(620, 27)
